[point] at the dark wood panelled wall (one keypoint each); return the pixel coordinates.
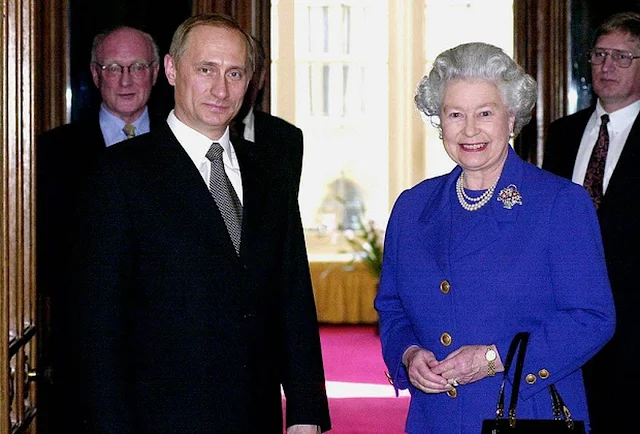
(542, 48)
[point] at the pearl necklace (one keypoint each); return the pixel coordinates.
(476, 202)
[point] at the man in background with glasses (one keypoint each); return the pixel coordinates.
(610, 131)
(124, 66)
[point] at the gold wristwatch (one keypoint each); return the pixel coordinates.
(491, 357)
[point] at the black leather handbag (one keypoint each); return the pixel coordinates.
(562, 423)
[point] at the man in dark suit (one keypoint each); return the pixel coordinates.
(124, 65)
(281, 137)
(177, 327)
(615, 69)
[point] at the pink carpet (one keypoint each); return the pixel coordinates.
(361, 400)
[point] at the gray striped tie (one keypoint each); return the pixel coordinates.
(225, 195)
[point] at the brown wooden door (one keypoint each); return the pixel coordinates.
(17, 289)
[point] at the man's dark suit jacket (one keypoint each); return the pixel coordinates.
(618, 217)
(65, 156)
(282, 137)
(174, 332)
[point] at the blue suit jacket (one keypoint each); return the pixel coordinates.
(537, 267)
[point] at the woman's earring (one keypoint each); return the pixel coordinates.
(511, 135)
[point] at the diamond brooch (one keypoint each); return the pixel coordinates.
(510, 196)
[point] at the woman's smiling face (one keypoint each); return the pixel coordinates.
(476, 125)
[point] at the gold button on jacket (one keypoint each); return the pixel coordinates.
(530, 378)
(445, 339)
(543, 373)
(445, 287)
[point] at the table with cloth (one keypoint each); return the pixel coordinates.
(344, 289)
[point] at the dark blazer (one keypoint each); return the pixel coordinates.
(621, 238)
(282, 137)
(65, 156)
(174, 332)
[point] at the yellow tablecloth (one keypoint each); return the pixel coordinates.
(344, 293)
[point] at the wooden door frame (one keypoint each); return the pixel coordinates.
(17, 268)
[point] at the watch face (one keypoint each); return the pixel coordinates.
(491, 355)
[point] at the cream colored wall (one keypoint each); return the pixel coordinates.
(406, 149)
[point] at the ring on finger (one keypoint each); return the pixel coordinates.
(454, 383)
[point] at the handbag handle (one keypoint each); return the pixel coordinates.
(519, 338)
(560, 410)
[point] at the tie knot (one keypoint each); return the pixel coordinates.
(605, 119)
(214, 152)
(129, 130)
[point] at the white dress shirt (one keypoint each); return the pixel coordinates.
(197, 145)
(619, 126)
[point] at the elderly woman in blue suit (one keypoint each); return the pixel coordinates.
(496, 247)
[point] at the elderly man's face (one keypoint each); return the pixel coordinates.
(125, 94)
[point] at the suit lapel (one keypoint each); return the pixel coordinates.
(478, 232)
(435, 222)
(176, 175)
(253, 191)
(484, 228)
(565, 139)
(627, 164)
(94, 135)
(261, 134)
(574, 137)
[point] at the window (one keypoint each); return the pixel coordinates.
(345, 71)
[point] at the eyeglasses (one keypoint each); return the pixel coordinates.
(115, 70)
(621, 59)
